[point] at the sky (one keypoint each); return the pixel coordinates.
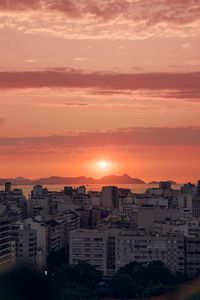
(114, 81)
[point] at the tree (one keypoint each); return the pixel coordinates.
(158, 272)
(82, 274)
(135, 270)
(136, 280)
(123, 286)
(56, 259)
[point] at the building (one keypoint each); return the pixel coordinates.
(198, 188)
(55, 235)
(81, 190)
(25, 245)
(95, 214)
(139, 247)
(6, 254)
(68, 191)
(165, 185)
(188, 188)
(8, 187)
(70, 221)
(41, 240)
(145, 216)
(37, 191)
(196, 206)
(111, 249)
(89, 245)
(84, 215)
(192, 255)
(42, 206)
(109, 197)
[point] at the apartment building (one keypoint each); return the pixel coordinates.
(89, 245)
(133, 246)
(25, 244)
(6, 253)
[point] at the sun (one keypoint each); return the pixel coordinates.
(103, 165)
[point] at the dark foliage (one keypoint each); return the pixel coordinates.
(56, 259)
(78, 281)
(136, 281)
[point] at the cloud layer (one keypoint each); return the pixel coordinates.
(105, 81)
(153, 136)
(156, 11)
(103, 19)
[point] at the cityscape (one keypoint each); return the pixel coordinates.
(108, 229)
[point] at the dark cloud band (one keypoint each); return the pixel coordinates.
(109, 81)
(152, 136)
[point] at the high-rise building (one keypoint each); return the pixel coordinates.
(5, 244)
(25, 244)
(41, 236)
(37, 191)
(192, 255)
(165, 185)
(141, 248)
(89, 245)
(188, 188)
(8, 187)
(81, 190)
(55, 235)
(84, 218)
(198, 188)
(196, 206)
(109, 197)
(68, 191)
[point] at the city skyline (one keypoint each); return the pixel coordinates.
(99, 88)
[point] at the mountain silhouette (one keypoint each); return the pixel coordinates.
(111, 179)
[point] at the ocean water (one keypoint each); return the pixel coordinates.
(135, 188)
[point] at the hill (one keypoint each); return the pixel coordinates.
(112, 179)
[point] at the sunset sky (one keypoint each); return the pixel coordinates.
(90, 81)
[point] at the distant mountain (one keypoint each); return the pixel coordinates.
(16, 181)
(124, 179)
(112, 179)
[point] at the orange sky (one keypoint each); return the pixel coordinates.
(108, 80)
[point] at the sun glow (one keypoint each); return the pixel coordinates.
(103, 165)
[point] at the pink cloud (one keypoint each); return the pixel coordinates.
(15, 5)
(106, 81)
(100, 19)
(136, 136)
(155, 11)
